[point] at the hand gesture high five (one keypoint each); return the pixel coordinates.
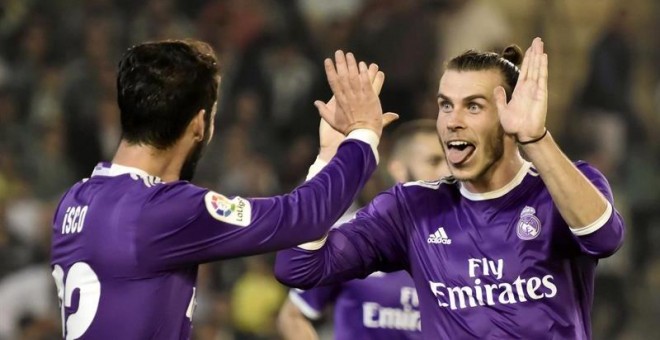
(524, 116)
(355, 103)
(330, 138)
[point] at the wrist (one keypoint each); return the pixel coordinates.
(326, 153)
(526, 140)
(364, 126)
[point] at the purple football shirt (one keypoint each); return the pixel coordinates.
(126, 247)
(381, 306)
(502, 264)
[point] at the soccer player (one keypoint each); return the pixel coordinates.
(505, 250)
(383, 305)
(127, 241)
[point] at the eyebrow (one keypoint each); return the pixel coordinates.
(466, 99)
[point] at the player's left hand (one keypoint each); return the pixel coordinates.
(524, 116)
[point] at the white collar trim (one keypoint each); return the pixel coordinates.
(498, 192)
(117, 170)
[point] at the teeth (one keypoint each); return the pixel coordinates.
(458, 143)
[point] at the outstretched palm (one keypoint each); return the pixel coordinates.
(330, 138)
(524, 116)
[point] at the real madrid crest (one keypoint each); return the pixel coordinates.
(529, 226)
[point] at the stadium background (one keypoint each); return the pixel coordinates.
(58, 118)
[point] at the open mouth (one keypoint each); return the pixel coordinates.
(459, 151)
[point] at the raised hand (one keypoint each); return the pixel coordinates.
(356, 104)
(524, 116)
(331, 138)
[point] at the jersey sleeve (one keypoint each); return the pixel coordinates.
(375, 240)
(312, 302)
(182, 224)
(604, 236)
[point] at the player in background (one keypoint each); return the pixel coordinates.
(127, 241)
(383, 305)
(505, 250)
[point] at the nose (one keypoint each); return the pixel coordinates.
(455, 121)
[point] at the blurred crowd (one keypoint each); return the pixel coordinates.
(58, 118)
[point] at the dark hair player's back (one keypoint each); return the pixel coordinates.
(127, 242)
(107, 281)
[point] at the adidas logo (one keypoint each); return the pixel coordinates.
(439, 237)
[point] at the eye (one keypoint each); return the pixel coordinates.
(474, 108)
(446, 106)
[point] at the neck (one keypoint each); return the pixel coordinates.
(497, 175)
(165, 164)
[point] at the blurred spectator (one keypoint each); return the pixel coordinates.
(399, 37)
(255, 300)
(90, 77)
(471, 24)
(157, 20)
(28, 294)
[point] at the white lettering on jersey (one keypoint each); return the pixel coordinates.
(74, 219)
(236, 211)
(406, 318)
(520, 290)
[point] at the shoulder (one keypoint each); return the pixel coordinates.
(426, 189)
(588, 170)
(173, 202)
(406, 196)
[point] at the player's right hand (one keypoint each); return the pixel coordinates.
(358, 106)
(330, 138)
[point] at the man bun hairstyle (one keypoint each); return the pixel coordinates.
(507, 63)
(514, 54)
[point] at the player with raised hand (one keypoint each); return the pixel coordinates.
(127, 241)
(507, 249)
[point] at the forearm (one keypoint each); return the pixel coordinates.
(293, 325)
(338, 260)
(579, 202)
(306, 269)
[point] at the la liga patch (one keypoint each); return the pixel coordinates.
(236, 211)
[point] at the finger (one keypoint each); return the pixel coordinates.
(325, 113)
(500, 99)
(538, 45)
(389, 117)
(373, 70)
(342, 70)
(525, 65)
(543, 76)
(353, 72)
(536, 61)
(333, 77)
(365, 81)
(377, 83)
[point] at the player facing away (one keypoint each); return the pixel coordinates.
(505, 250)
(127, 241)
(383, 305)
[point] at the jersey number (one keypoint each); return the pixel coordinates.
(81, 277)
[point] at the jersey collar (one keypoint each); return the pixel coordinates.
(482, 196)
(112, 170)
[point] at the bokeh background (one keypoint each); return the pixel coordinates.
(58, 117)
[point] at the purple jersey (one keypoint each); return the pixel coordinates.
(502, 265)
(126, 246)
(381, 306)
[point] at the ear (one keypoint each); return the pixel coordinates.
(397, 170)
(197, 126)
